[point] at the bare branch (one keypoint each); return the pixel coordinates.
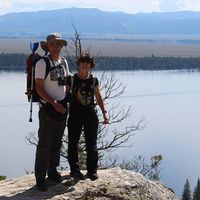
(31, 139)
(77, 42)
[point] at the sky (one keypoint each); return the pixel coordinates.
(128, 6)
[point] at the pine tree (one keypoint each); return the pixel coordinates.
(196, 194)
(186, 195)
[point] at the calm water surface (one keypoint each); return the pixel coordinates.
(169, 101)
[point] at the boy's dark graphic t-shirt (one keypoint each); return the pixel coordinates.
(83, 91)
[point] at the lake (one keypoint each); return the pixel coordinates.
(168, 100)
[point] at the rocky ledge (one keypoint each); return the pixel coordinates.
(113, 184)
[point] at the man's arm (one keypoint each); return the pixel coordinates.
(43, 94)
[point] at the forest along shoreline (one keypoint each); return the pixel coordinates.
(15, 61)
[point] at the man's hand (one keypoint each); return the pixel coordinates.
(58, 107)
(42, 92)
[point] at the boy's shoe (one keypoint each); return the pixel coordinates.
(41, 185)
(54, 176)
(77, 175)
(92, 176)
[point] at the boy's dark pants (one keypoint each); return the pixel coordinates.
(50, 135)
(87, 120)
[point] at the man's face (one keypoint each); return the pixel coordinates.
(55, 47)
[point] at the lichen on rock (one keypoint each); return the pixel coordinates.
(113, 184)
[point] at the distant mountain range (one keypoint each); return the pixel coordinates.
(97, 22)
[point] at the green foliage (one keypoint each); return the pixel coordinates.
(147, 63)
(186, 195)
(149, 169)
(154, 170)
(196, 194)
(2, 178)
(14, 61)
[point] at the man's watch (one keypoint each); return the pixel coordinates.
(104, 111)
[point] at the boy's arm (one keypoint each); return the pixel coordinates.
(100, 102)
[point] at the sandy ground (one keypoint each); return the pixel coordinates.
(111, 48)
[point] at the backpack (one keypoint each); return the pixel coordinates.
(30, 75)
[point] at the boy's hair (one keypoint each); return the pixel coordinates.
(86, 58)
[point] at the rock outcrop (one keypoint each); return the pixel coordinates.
(113, 184)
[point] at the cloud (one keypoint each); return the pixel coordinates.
(4, 4)
(130, 6)
(191, 5)
(177, 5)
(169, 5)
(40, 2)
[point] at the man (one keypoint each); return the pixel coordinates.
(51, 87)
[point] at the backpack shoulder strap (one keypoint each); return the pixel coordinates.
(94, 78)
(63, 60)
(72, 83)
(65, 63)
(48, 66)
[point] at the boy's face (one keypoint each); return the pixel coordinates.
(85, 66)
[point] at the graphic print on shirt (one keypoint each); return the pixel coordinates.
(57, 72)
(84, 95)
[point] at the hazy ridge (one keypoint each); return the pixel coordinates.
(96, 23)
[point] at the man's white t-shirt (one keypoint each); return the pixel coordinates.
(51, 86)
